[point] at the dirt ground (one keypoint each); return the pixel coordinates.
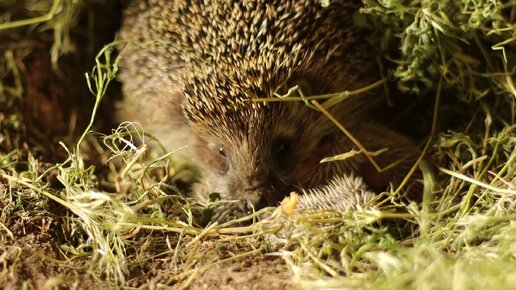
(29, 262)
(34, 261)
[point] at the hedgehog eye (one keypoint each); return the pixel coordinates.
(222, 152)
(281, 146)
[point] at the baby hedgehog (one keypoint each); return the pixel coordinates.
(193, 68)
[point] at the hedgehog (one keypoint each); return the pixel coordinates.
(192, 73)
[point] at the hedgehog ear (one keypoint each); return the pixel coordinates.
(327, 140)
(326, 144)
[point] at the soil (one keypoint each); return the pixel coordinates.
(30, 262)
(255, 273)
(33, 261)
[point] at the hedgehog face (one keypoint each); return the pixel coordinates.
(264, 155)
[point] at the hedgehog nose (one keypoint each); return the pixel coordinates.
(251, 205)
(254, 191)
(255, 195)
(247, 207)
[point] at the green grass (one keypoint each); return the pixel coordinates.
(124, 212)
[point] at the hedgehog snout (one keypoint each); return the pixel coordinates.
(250, 190)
